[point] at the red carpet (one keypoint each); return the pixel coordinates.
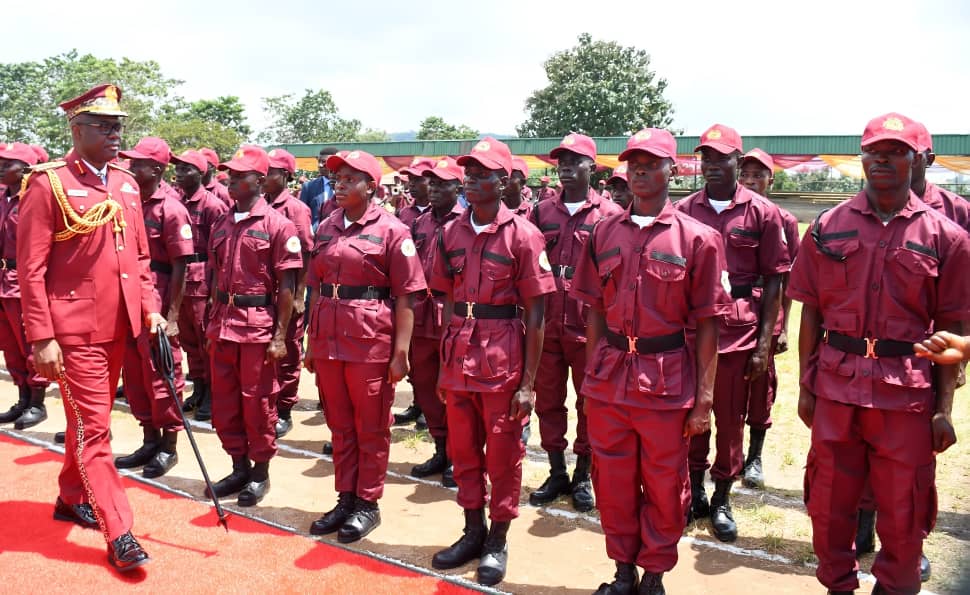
(190, 553)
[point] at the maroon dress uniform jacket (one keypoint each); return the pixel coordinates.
(91, 288)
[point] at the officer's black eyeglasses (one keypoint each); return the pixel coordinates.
(105, 128)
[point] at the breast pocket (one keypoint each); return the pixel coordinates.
(666, 273)
(369, 254)
(608, 270)
(254, 251)
(841, 268)
(497, 272)
(72, 307)
(219, 251)
(912, 268)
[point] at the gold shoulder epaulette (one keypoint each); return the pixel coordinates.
(119, 168)
(48, 165)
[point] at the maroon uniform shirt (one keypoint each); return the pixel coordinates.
(245, 257)
(219, 191)
(504, 264)
(565, 236)
(427, 308)
(953, 206)
(376, 250)
(290, 207)
(169, 232)
(649, 282)
(754, 247)
(408, 214)
(204, 210)
(888, 282)
(9, 216)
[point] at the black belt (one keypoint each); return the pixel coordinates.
(745, 291)
(354, 292)
(160, 267)
(486, 311)
(868, 348)
(436, 293)
(243, 301)
(560, 270)
(197, 257)
(8, 263)
(646, 345)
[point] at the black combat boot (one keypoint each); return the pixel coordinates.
(448, 477)
(865, 534)
(365, 518)
(198, 388)
(36, 412)
(235, 481)
(327, 448)
(120, 394)
(436, 464)
(652, 584)
(23, 401)
(408, 416)
(699, 506)
(495, 555)
(203, 411)
(722, 520)
(557, 484)
(582, 487)
(625, 581)
(285, 422)
(258, 485)
(752, 476)
(166, 458)
(334, 519)
(151, 443)
(468, 547)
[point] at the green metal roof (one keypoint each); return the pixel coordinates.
(943, 144)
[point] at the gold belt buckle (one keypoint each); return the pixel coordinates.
(3, 262)
(631, 344)
(232, 299)
(335, 289)
(469, 314)
(871, 348)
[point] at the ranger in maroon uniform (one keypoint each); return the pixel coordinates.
(418, 189)
(514, 194)
(209, 181)
(491, 265)
(877, 274)
(621, 187)
(169, 244)
(15, 159)
(282, 166)
(358, 340)
(648, 274)
(756, 254)
(565, 222)
(204, 210)
(255, 254)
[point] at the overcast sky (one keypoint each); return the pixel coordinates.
(814, 67)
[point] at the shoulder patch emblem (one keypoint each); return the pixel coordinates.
(293, 245)
(407, 247)
(544, 261)
(186, 232)
(726, 281)
(126, 187)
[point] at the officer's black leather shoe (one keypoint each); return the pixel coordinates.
(365, 518)
(581, 486)
(652, 584)
(32, 416)
(283, 427)
(151, 443)
(79, 514)
(468, 547)
(125, 553)
(160, 465)
(625, 581)
(722, 520)
(23, 401)
(699, 506)
(327, 448)
(495, 555)
(409, 415)
(334, 519)
(865, 535)
(235, 481)
(925, 570)
(448, 478)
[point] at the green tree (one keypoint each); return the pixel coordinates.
(599, 88)
(372, 135)
(435, 128)
(192, 133)
(312, 118)
(227, 110)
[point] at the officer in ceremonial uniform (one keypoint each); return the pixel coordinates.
(877, 274)
(282, 166)
(204, 210)
(82, 256)
(757, 257)
(444, 179)
(491, 266)
(15, 159)
(647, 275)
(209, 181)
(255, 254)
(565, 223)
(359, 337)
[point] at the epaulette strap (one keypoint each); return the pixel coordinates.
(48, 165)
(98, 215)
(119, 168)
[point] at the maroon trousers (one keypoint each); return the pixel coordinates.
(192, 336)
(16, 353)
(289, 367)
(641, 481)
(146, 390)
(92, 374)
(357, 402)
(730, 406)
(244, 400)
(558, 357)
(761, 393)
(484, 439)
(425, 358)
(894, 448)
